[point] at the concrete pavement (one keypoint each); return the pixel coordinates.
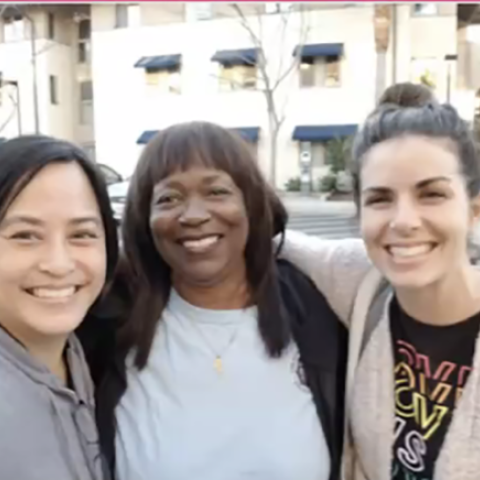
(325, 219)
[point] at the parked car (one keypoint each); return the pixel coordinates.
(110, 175)
(118, 195)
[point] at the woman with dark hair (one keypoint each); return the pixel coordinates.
(58, 249)
(413, 391)
(223, 377)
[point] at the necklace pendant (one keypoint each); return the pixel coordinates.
(217, 364)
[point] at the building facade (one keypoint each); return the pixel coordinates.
(108, 76)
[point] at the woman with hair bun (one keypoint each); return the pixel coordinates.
(413, 388)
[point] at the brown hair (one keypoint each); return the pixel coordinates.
(407, 94)
(178, 148)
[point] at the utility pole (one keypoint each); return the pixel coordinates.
(33, 48)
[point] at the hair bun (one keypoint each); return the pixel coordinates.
(407, 95)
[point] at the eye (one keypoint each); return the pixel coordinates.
(167, 199)
(85, 235)
(376, 200)
(434, 195)
(25, 236)
(218, 191)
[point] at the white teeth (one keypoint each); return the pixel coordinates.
(408, 252)
(200, 245)
(53, 293)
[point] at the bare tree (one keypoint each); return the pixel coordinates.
(272, 78)
(11, 114)
(382, 21)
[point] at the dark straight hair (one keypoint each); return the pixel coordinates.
(177, 149)
(23, 157)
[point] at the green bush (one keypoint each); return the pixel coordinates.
(293, 185)
(337, 153)
(327, 183)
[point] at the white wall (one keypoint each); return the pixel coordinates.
(16, 65)
(124, 108)
(424, 37)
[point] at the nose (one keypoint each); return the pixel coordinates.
(406, 216)
(195, 213)
(57, 260)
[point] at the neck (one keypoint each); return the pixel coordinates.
(229, 294)
(49, 351)
(446, 302)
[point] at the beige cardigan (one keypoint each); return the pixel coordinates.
(338, 267)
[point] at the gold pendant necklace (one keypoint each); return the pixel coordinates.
(217, 364)
(218, 361)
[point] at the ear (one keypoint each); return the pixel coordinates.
(474, 211)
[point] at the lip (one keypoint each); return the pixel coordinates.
(409, 253)
(408, 244)
(53, 299)
(201, 244)
(194, 238)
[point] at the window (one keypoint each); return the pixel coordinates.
(199, 11)
(53, 90)
(121, 16)
(164, 80)
(127, 15)
(425, 8)
(271, 7)
(51, 26)
(320, 71)
(238, 77)
(13, 29)
(84, 45)
(86, 103)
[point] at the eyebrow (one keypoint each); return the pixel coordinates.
(423, 183)
(208, 179)
(36, 222)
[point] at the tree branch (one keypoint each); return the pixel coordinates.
(11, 114)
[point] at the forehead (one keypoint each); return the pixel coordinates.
(193, 176)
(408, 160)
(60, 189)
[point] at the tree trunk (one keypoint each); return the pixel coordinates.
(381, 75)
(382, 23)
(273, 155)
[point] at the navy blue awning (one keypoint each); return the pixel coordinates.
(159, 62)
(321, 133)
(320, 50)
(246, 56)
(146, 136)
(250, 134)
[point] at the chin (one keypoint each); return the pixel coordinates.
(56, 325)
(411, 280)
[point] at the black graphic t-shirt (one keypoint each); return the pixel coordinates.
(432, 365)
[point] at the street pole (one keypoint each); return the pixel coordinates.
(33, 38)
(449, 78)
(449, 59)
(19, 108)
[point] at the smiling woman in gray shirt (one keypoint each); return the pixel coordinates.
(58, 247)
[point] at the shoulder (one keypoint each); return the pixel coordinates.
(336, 267)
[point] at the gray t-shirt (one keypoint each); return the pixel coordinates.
(181, 419)
(47, 431)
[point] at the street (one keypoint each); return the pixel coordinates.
(318, 217)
